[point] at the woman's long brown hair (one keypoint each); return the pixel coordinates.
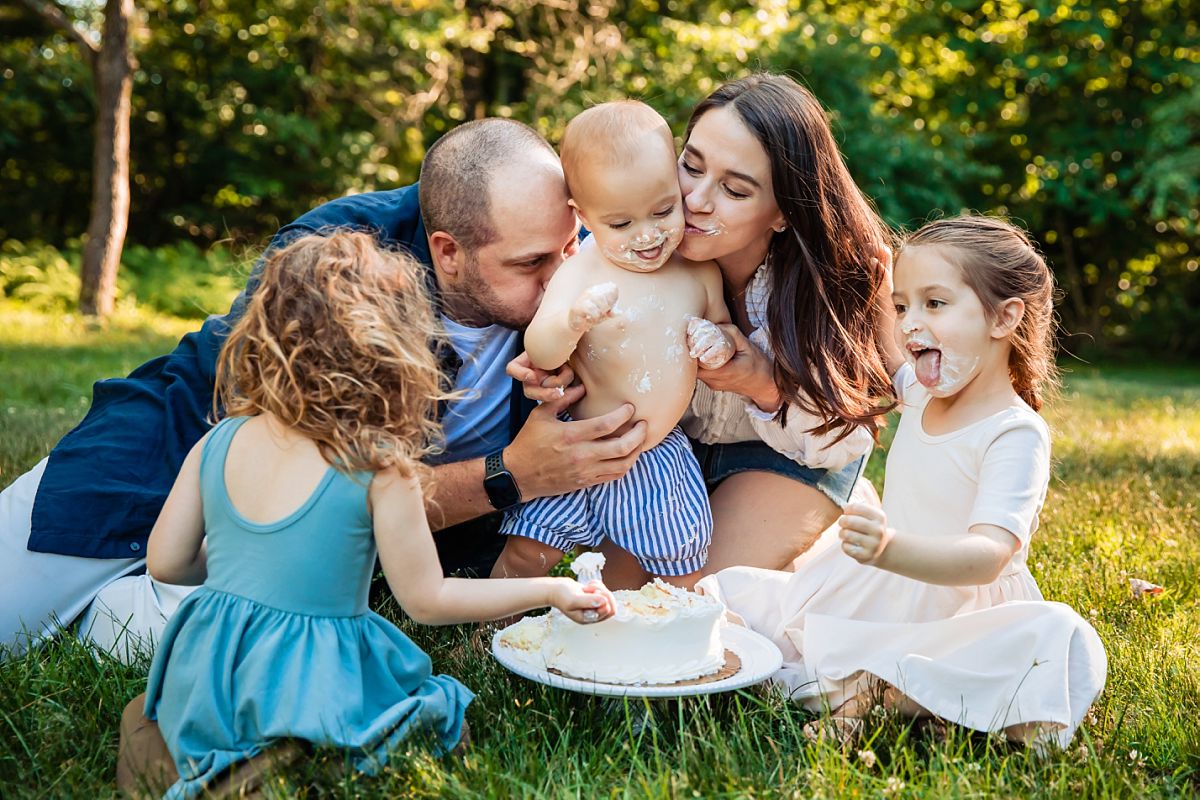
(824, 274)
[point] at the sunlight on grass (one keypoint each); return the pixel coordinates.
(1122, 504)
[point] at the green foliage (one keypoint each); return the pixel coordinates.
(178, 279)
(181, 279)
(39, 275)
(1077, 117)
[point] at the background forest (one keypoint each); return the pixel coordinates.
(1081, 119)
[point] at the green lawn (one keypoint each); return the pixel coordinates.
(1122, 504)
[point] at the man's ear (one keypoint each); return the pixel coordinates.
(1008, 316)
(448, 256)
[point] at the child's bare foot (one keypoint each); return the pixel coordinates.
(843, 731)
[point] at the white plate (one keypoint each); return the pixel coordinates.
(760, 659)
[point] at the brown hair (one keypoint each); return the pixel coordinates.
(824, 280)
(999, 261)
(455, 186)
(337, 342)
(611, 134)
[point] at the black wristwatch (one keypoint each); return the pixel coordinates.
(500, 484)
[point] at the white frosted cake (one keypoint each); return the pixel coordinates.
(660, 634)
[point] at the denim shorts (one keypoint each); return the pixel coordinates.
(719, 461)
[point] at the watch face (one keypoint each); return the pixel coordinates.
(502, 490)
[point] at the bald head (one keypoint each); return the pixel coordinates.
(461, 169)
(612, 135)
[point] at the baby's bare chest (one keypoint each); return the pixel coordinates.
(652, 308)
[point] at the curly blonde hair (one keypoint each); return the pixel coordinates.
(338, 343)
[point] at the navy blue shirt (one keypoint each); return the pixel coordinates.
(107, 479)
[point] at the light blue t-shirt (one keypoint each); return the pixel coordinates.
(478, 423)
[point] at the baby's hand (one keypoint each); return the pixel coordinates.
(584, 603)
(864, 532)
(708, 344)
(593, 305)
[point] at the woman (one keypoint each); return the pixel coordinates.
(806, 268)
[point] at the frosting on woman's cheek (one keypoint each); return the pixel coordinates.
(712, 226)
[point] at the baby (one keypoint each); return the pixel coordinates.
(632, 318)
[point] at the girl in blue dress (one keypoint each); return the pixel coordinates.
(329, 386)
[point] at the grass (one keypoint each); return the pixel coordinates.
(1122, 504)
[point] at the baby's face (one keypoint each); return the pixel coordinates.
(635, 211)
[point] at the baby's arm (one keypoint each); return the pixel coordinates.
(413, 572)
(175, 552)
(707, 343)
(569, 309)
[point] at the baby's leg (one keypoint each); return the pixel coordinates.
(540, 532)
(523, 557)
(621, 568)
(659, 512)
(687, 581)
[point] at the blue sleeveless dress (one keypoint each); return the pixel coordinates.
(279, 642)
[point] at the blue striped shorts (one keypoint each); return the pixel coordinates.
(658, 512)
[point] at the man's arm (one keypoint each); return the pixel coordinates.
(548, 457)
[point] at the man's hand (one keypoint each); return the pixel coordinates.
(708, 344)
(864, 532)
(748, 373)
(593, 304)
(551, 457)
(543, 385)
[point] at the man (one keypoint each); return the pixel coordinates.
(490, 219)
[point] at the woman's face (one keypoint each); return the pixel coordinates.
(729, 202)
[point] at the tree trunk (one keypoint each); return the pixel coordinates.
(475, 65)
(110, 163)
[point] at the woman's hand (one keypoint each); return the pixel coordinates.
(864, 532)
(583, 603)
(748, 373)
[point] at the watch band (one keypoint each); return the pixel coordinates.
(493, 464)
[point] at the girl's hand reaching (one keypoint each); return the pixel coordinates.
(864, 532)
(583, 603)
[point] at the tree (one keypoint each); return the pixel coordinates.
(112, 66)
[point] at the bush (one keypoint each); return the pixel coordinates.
(178, 279)
(39, 275)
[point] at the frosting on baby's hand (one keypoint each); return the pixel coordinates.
(708, 344)
(594, 304)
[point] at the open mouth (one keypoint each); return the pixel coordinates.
(927, 362)
(650, 253)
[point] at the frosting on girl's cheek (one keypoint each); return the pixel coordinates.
(943, 372)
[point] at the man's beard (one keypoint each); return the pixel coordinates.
(484, 305)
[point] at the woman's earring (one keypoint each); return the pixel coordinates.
(781, 228)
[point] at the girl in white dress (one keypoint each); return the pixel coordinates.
(928, 602)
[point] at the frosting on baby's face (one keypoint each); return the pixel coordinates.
(634, 208)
